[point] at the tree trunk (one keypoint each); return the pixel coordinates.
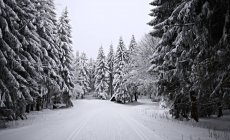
(220, 108)
(111, 84)
(135, 96)
(131, 98)
(28, 108)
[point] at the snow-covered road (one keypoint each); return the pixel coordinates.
(99, 120)
(87, 120)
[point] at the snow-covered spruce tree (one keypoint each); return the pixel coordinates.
(77, 91)
(161, 11)
(31, 53)
(132, 48)
(121, 58)
(46, 25)
(25, 61)
(129, 70)
(66, 57)
(210, 52)
(165, 60)
(9, 46)
(33, 61)
(20, 50)
(131, 53)
(101, 85)
(84, 74)
(189, 56)
(110, 65)
(91, 70)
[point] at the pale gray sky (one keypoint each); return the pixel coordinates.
(102, 22)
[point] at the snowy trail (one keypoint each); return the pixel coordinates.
(113, 122)
(88, 120)
(99, 120)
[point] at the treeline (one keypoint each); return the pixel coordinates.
(98, 75)
(35, 57)
(121, 74)
(192, 60)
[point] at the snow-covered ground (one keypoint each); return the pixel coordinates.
(105, 120)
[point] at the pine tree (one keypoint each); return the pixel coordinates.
(77, 67)
(84, 74)
(32, 46)
(161, 11)
(92, 69)
(121, 59)
(78, 90)
(28, 54)
(46, 25)
(22, 50)
(173, 71)
(19, 75)
(110, 64)
(132, 49)
(101, 71)
(64, 33)
(132, 45)
(186, 57)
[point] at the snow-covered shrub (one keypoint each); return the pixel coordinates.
(163, 103)
(77, 92)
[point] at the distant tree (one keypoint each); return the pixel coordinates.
(132, 49)
(121, 59)
(92, 70)
(110, 64)
(78, 89)
(101, 70)
(84, 74)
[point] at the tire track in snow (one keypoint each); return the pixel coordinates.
(139, 128)
(84, 123)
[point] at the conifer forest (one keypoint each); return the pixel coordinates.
(170, 83)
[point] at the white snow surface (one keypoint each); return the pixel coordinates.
(105, 120)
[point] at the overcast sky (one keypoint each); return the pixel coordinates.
(102, 22)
